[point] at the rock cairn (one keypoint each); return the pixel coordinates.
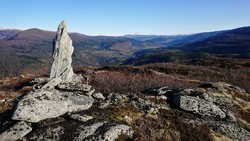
(57, 101)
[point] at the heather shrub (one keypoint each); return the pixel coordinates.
(120, 82)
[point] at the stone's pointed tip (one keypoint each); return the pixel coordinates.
(63, 24)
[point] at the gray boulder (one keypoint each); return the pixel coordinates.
(43, 104)
(89, 93)
(19, 130)
(198, 106)
(98, 96)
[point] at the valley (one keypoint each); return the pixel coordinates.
(32, 47)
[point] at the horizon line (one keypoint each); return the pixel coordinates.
(128, 34)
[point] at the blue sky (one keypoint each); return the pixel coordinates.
(120, 17)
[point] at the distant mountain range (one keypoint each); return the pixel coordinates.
(164, 39)
(228, 43)
(174, 40)
(236, 41)
(25, 48)
(20, 50)
(218, 42)
(89, 50)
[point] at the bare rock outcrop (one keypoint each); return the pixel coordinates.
(19, 130)
(231, 129)
(198, 106)
(103, 131)
(58, 130)
(86, 131)
(113, 132)
(43, 104)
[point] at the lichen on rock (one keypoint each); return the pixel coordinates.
(62, 52)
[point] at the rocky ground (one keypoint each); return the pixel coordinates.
(76, 112)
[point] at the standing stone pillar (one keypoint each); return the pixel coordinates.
(62, 53)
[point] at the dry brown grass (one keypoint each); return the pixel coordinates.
(120, 82)
(11, 89)
(149, 129)
(129, 79)
(238, 75)
(240, 113)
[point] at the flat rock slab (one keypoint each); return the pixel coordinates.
(79, 117)
(19, 130)
(157, 91)
(74, 87)
(198, 106)
(113, 132)
(43, 104)
(232, 130)
(99, 96)
(103, 131)
(86, 131)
